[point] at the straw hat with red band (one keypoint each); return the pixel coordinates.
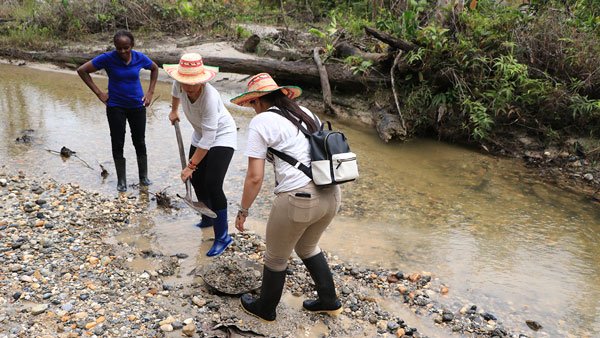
(263, 84)
(191, 70)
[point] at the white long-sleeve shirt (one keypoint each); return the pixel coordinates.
(212, 123)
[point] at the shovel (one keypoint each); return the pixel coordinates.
(198, 206)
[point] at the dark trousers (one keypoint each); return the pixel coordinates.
(208, 178)
(117, 118)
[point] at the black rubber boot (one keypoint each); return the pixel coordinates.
(120, 165)
(143, 170)
(321, 274)
(270, 293)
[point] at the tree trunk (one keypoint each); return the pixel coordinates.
(329, 108)
(285, 72)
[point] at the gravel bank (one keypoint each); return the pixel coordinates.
(62, 276)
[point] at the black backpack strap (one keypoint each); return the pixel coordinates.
(300, 126)
(292, 161)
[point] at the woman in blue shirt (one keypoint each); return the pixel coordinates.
(125, 100)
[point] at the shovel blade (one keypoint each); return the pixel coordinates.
(199, 207)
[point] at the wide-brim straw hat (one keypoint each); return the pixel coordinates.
(263, 84)
(191, 70)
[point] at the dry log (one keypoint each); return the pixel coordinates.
(329, 108)
(396, 60)
(390, 40)
(284, 55)
(344, 49)
(285, 72)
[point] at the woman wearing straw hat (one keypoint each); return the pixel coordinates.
(213, 141)
(125, 100)
(301, 211)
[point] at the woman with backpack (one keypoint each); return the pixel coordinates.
(301, 211)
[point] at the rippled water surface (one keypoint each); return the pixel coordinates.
(486, 227)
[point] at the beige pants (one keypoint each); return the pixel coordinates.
(297, 221)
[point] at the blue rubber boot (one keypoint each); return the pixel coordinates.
(222, 238)
(206, 222)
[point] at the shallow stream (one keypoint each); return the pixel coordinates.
(487, 227)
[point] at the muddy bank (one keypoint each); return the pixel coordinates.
(65, 273)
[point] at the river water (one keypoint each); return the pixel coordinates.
(486, 227)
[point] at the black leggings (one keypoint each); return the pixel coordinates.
(208, 178)
(117, 117)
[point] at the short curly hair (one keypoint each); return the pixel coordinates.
(125, 33)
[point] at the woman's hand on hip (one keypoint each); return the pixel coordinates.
(102, 96)
(173, 117)
(186, 174)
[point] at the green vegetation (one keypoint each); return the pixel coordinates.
(476, 72)
(496, 66)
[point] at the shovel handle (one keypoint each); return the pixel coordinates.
(198, 206)
(188, 188)
(180, 144)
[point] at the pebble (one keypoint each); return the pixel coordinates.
(17, 295)
(198, 301)
(39, 308)
(166, 328)
(189, 329)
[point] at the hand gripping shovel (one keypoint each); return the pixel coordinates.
(198, 206)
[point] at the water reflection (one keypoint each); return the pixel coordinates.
(486, 227)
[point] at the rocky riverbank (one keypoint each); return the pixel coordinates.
(61, 275)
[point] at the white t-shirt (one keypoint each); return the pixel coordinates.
(269, 129)
(213, 124)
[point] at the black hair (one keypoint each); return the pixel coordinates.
(290, 109)
(124, 33)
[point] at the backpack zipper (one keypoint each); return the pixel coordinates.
(340, 161)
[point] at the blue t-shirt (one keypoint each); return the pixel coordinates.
(124, 86)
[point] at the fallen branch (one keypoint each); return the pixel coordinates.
(61, 153)
(390, 40)
(84, 162)
(593, 151)
(396, 60)
(329, 108)
(154, 100)
(163, 199)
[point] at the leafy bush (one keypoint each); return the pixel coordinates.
(486, 69)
